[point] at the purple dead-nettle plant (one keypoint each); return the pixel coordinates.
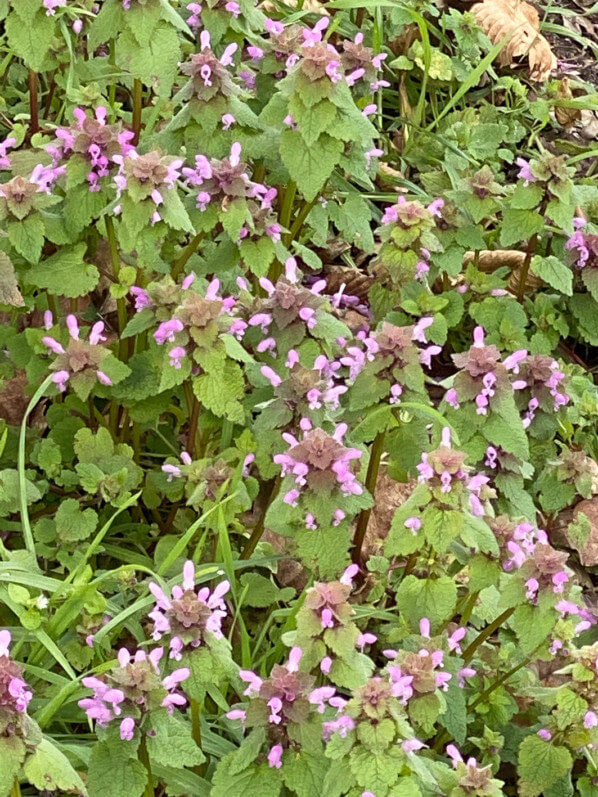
(132, 690)
(208, 75)
(303, 389)
(408, 238)
(445, 473)
(326, 628)
(282, 703)
(544, 384)
(187, 616)
(217, 182)
(287, 302)
(483, 375)
(21, 197)
(91, 140)
(320, 462)
(80, 362)
(147, 179)
(14, 692)
(473, 778)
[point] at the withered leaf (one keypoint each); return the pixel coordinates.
(520, 22)
(9, 289)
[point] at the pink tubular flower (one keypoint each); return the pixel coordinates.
(590, 720)
(127, 728)
(176, 355)
(414, 524)
(525, 172)
(60, 378)
(167, 331)
(545, 734)
(275, 756)
(411, 745)
(365, 639)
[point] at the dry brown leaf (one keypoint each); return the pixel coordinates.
(9, 289)
(488, 260)
(520, 21)
(566, 117)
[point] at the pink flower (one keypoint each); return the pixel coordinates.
(127, 728)
(275, 756)
(545, 734)
(590, 720)
(176, 355)
(60, 378)
(411, 745)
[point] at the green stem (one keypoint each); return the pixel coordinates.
(298, 223)
(497, 683)
(488, 631)
(258, 529)
(53, 307)
(33, 109)
(531, 251)
(144, 758)
(121, 307)
(286, 208)
(193, 442)
(181, 262)
(466, 614)
(196, 728)
(370, 482)
(137, 106)
(16, 788)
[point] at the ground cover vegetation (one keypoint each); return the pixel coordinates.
(298, 444)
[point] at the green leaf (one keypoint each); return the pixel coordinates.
(156, 63)
(50, 770)
(541, 764)
(65, 273)
(519, 225)
(27, 236)
(432, 598)
(441, 527)
(12, 755)
(554, 272)
(532, 626)
(262, 592)
(30, 32)
(115, 762)
(74, 523)
(259, 781)
(173, 744)
(304, 773)
(585, 310)
(220, 390)
(309, 166)
(311, 120)
(570, 707)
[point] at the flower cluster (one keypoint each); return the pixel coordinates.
(132, 689)
(444, 472)
(319, 462)
(146, 178)
(14, 692)
(187, 616)
(93, 140)
(80, 361)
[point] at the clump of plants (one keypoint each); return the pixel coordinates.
(298, 448)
